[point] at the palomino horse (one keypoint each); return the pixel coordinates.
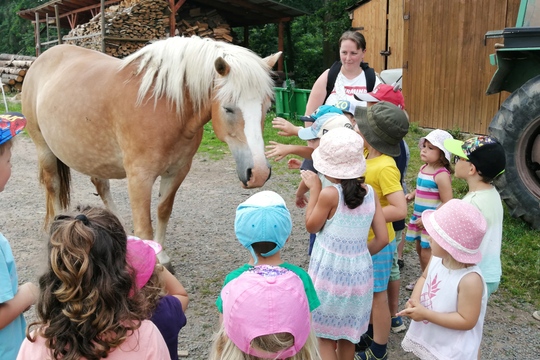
(142, 117)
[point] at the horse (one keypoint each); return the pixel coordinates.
(142, 117)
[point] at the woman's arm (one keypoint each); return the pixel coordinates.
(378, 224)
(317, 94)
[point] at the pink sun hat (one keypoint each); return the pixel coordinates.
(141, 255)
(260, 303)
(340, 154)
(458, 227)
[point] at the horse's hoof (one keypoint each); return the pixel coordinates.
(169, 267)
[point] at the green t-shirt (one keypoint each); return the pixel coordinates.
(311, 294)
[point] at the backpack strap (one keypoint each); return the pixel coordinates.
(332, 76)
(334, 71)
(370, 76)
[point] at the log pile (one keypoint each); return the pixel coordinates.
(129, 26)
(13, 68)
(204, 23)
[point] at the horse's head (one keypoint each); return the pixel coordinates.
(239, 108)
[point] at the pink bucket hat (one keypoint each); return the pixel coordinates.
(257, 304)
(458, 227)
(340, 154)
(437, 138)
(141, 255)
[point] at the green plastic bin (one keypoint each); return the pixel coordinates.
(291, 103)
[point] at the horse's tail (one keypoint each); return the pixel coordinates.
(63, 192)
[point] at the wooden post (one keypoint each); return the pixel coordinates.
(103, 26)
(280, 45)
(47, 26)
(172, 19)
(246, 36)
(59, 32)
(38, 43)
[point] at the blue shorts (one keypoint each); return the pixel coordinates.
(382, 265)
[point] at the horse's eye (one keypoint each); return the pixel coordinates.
(228, 110)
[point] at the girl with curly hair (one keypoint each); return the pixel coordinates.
(84, 309)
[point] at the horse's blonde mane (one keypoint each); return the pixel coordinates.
(171, 66)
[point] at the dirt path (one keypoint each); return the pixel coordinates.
(203, 247)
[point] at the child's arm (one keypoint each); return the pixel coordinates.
(285, 127)
(301, 199)
(378, 224)
(410, 196)
(321, 202)
(175, 288)
(279, 151)
(444, 183)
(396, 208)
(25, 297)
(469, 305)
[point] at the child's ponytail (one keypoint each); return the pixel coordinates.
(353, 192)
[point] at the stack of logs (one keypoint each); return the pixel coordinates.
(197, 21)
(129, 26)
(13, 68)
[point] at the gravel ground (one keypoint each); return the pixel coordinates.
(203, 247)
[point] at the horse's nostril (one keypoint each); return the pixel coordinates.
(248, 174)
(269, 174)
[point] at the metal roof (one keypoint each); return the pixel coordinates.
(235, 12)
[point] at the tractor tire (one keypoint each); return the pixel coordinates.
(517, 127)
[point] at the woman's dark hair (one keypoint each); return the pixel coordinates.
(84, 308)
(355, 36)
(353, 192)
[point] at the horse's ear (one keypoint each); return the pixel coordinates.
(222, 67)
(272, 59)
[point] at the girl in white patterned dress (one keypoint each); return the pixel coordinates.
(340, 265)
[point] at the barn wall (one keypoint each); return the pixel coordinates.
(440, 45)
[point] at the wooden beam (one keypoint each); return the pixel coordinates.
(103, 32)
(58, 28)
(179, 5)
(36, 28)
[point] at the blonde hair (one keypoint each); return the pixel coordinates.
(224, 349)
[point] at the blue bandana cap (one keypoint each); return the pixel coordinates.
(263, 217)
(320, 111)
(11, 124)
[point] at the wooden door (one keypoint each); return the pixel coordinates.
(381, 22)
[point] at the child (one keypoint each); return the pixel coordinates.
(479, 160)
(14, 299)
(341, 266)
(433, 188)
(448, 303)
(392, 94)
(382, 126)
(167, 297)
(84, 308)
(265, 316)
(263, 225)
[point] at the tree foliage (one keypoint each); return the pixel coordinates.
(16, 33)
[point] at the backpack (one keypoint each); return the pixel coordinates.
(334, 71)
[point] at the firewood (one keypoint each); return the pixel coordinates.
(16, 71)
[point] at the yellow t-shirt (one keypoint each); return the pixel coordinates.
(383, 176)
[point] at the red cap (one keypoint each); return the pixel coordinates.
(383, 92)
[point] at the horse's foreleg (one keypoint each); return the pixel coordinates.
(104, 190)
(140, 194)
(167, 190)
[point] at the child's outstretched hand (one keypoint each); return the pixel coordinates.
(419, 223)
(285, 127)
(301, 200)
(276, 150)
(414, 310)
(294, 164)
(409, 197)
